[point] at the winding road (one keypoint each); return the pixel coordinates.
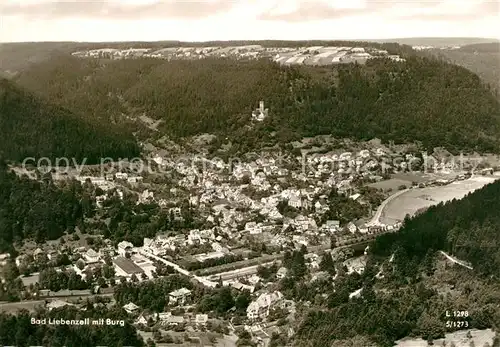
(456, 261)
(375, 221)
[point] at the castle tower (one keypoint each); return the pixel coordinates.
(261, 106)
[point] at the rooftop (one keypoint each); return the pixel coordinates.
(127, 265)
(180, 292)
(131, 306)
(91, 253)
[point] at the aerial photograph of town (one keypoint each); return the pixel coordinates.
(262, 173)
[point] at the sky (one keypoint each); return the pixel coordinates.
(204, 20)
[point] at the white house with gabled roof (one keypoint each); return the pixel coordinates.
(179, 296)
(259, 308)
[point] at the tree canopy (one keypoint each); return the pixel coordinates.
(32, 127)
(421, 99)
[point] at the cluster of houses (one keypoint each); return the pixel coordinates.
(326, 55)
(112, 53)
(213, 189)
(448, 47)
(125, 260)
(258, 310)
(227, 206)
(222, 197)
(166, 319)
(238, 52)
(314, 55)
(260, 307)
(241, 202)
(162, 244)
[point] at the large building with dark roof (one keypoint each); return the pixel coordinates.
(126, 267)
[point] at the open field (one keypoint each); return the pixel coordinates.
(408, 178)
(480, 338)
(415, 199)
(393, 184)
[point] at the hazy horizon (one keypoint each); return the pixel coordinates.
(228, 20)
(388, 39)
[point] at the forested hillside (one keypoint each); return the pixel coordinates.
(423, 100)
(486, 47)
(42, 210)
(467, 228)
(32, 127)
(36, 210)
(438, 41)
(482, 59)
(414, 293)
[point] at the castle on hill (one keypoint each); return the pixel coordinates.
(261, 113)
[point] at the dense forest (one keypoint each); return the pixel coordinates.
(32, 127)
(483, 59)
(38, 210)
(152, 295)
(467, 228)
(417, 289)
(487, 47)
(422, 99)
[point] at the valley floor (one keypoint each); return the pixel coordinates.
(415, 199)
